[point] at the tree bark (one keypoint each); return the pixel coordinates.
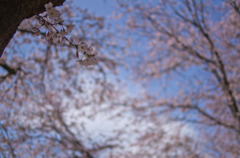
(13, 12)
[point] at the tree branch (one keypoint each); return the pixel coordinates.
(14, 12)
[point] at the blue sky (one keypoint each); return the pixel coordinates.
(99, 7)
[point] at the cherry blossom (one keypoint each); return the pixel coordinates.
(48, 6)
(89, 51)
(88, 61)
(70, 28)
(82, 47)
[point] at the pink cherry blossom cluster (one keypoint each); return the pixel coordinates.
(58, 31)
(89, 54)
(52, 13)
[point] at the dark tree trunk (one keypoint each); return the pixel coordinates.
(13, 12)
